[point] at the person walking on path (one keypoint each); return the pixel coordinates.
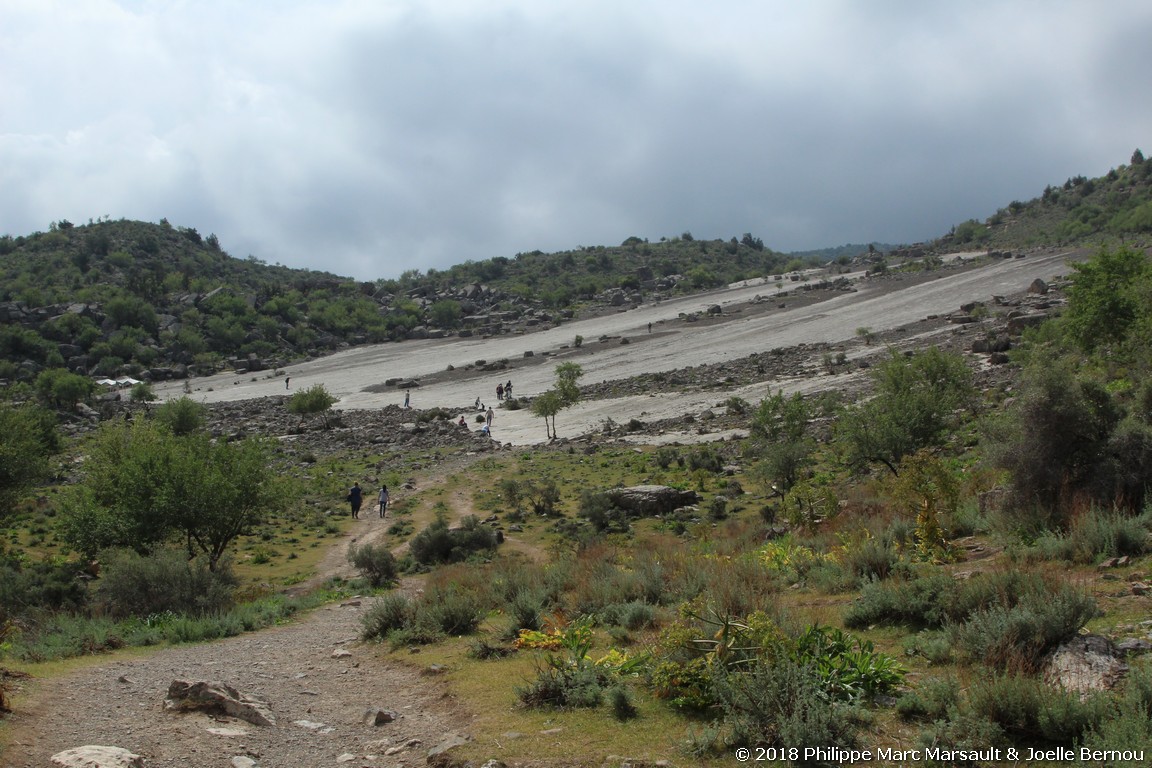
(508, 390)
(383, 500)
(488, 418)
(355, 498)
(407, 398)
(286, 380)
(499, 391)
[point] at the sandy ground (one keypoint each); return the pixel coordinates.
(747, 328)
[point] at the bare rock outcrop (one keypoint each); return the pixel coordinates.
(216, 696)
(95, 756)
(1086, 664)
(646, 500)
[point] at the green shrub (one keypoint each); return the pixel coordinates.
(439, 544)
(182, 416)
(917, 602)
(1129, 725)
(718, 508)
(136, 585)
(27, 585)
(596, 507)
(449, 609)
(374, 562)
(1095, 535)
(933, 600)
(932, 700)
(872, 558)
(562, 686)
(391, 612)
(705, 458)
(933, 645)
(481, 650)
(634, 615)
(1015, 638)
(622, 707)
(526, 609)
(780, 704)
(1029, 710)
(665, 456)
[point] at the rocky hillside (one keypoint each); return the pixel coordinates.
(154, 301)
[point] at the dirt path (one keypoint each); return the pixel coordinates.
(315, 674)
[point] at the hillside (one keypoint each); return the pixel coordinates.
(154, 301)
(1080, 211)
(903, 513)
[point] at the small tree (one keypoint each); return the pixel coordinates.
(546, 406)
(30, 437)
(61, 389)
(1108, 297)
(141, 392)
(564, 393)
(913, 407)
(446, 313)
(182, 416)
(315, 399)
(781, 434)
(144, 485)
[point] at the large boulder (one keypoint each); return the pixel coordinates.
(646, 500)
(215, 696)
(1085, 664)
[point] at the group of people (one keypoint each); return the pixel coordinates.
(504, 390)
(356, 499)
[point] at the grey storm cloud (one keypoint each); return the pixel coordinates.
(368, 138)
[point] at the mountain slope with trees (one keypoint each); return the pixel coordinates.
(115, 298)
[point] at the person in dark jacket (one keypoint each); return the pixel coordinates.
(355, 498)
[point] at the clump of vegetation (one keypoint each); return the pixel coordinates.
(374, 562)
(440, 544)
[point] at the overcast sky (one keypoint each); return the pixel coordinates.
(367, 137)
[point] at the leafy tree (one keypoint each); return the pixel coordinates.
(132, 312)
(1066, 438)
(567, 376)
(30, 438)
(121, 499)
(754, 243)
(913, 407)
(218, 491)
(780, 430)
(1108, 297)
(564, 393)
(546, 405)
(315, 399)
(143, 486)
(970, 231)
(62, 389)
(446, 313)
(141, 392)
(182, 416)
